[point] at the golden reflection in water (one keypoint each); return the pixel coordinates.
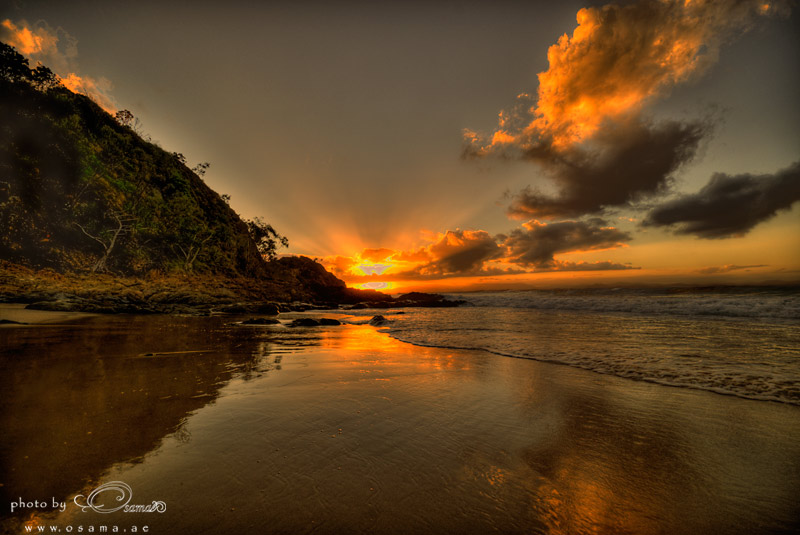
(377, 349)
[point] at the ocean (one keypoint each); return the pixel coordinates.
(736, 341)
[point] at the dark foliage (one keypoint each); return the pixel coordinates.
(80, 189)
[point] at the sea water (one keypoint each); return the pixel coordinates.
(737, 341)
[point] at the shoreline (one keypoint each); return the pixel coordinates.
(347, 429)
(193, 293)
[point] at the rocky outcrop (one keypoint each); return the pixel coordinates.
(305, 286)
(260, 321)
(378, 320)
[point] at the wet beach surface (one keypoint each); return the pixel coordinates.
(346, 430)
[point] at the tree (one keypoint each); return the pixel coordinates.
(44, 79)
(108, 237)
(124, 117)
(201, 168)
(192, 249)
(266, 238)
(13, 65)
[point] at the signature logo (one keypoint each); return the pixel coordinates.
(119, 492)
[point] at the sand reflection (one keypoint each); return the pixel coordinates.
(343, 429)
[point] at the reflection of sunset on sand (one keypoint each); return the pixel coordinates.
(347, 429)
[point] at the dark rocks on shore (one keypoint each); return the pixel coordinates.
(266, 308)
(260, 321)
(418, 299)
(304, 322)
(311, 322)
(413, 299)
(378, 320)
(197, 302)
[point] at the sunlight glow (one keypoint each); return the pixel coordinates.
(372, 269)
(375, 285)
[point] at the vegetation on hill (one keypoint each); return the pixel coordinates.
(81, 190)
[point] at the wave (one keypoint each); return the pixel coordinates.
(754, 360)
(770, 304)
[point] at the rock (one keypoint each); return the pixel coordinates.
(419, 299)
(260, 321)
(329, 321)
(11, 322)
(304, 322)
(378, 320)
(58, 306)
(237, 308)
(270, 309)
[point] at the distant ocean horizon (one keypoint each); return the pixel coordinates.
(734, 340)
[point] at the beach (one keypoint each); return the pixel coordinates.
(345, 429)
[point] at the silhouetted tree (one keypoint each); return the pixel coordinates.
(13, 65)
(124, 117)
(266, 238)
(201, 168)
(43, 78)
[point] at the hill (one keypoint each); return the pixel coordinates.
(87, 204)
(94, 217)
(80, 189)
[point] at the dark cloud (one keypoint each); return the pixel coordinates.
(587, 266)
(460, 252)
(627, 161)
(727, 268)
(730, 205)
(537, 243)
(431, 272)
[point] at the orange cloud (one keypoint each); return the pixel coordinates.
(376, 255)
(618, 59)
(58, 50)
(29, 41)
(97, 90)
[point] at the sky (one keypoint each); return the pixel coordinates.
(468, 145)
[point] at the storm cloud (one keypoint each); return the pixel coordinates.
(633, 160)
(536, 244)
(457, 253)
(730, 205)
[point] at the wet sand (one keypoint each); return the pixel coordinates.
(17, 314)
(345, 430)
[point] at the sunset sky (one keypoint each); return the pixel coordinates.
(468, 145)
